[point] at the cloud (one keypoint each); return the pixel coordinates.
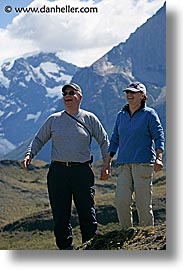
(80, 37)
(11, 46)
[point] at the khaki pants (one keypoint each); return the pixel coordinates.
(135, 181)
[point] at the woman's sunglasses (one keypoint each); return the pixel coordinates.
(131, 92)
(68, 93)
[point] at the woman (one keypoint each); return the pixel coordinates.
(139, 136)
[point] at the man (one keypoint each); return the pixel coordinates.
(70, 175)
(139, 136)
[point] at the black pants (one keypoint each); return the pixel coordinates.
(67, 183)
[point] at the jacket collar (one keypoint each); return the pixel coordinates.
(126, 107)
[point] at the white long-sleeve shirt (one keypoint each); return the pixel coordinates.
(70, 139)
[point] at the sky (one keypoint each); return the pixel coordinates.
(80, 38)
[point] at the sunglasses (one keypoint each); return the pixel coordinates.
(69, 93)
(130, 92)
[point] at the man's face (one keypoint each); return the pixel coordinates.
(71, 97)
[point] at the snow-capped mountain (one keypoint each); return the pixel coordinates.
(29, 92)
(30, 86)
(142, 57)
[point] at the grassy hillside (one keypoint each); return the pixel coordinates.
(26, 220)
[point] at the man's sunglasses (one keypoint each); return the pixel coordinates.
(69, 93)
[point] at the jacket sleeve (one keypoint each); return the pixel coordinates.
(114, 142)
(157, 131)
(40, 139)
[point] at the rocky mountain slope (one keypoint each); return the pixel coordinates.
(29, 86)
(29, 92)
(142, 57)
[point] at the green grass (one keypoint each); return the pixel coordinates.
(27, 240)
(23, 195)
(43, 240)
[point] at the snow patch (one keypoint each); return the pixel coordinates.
(4, 80)
(53, 92)
(40, 75)
(34, 117)
(8, 64)
(2, 97)
(65, 78)
(6, 146)
(9, 114)
(49, 68)
(22, 84)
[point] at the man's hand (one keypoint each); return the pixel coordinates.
(27, 160)
(106, 169)
(105, 172)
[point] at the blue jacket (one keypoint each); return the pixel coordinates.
(137, 137)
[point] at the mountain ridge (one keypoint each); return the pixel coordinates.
(30, 93)
(33, 91)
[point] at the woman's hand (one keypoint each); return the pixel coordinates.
(27, 160)
(158, 165)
